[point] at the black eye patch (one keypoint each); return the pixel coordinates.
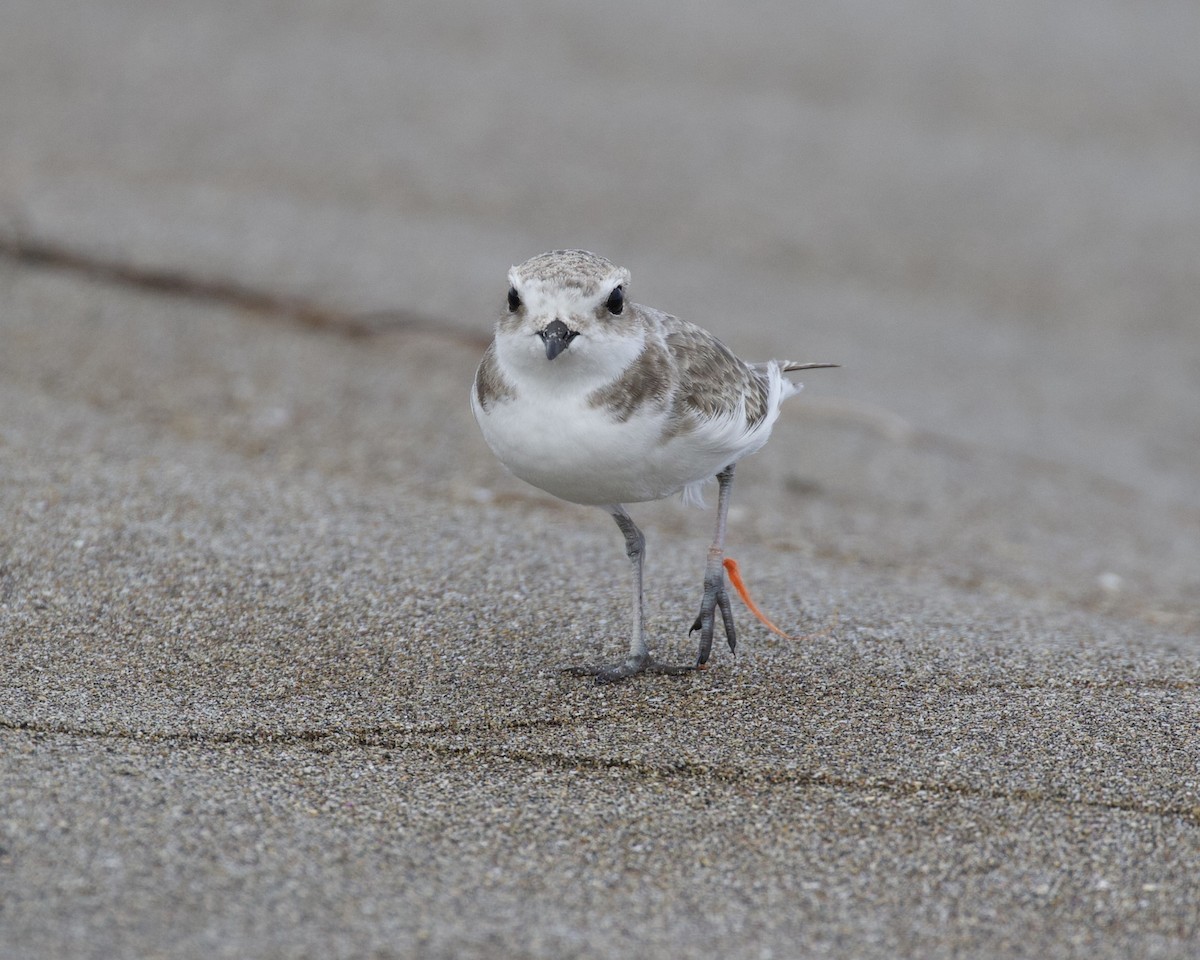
(514, 299)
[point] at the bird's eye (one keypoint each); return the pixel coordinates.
(514, 299)
(616, 300)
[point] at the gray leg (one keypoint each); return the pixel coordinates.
(638, 659)
(715, 598)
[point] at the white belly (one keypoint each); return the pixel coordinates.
(580, 453)
(548, 432)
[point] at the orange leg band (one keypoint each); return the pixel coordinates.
(735, 577)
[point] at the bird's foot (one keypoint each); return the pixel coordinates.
(715, 599)
(631, 666)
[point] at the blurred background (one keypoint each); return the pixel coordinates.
(988, 213)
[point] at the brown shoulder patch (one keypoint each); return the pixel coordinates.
(490, 384)
(647, 380)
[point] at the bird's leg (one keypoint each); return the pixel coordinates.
(638, 660)
(715, 598)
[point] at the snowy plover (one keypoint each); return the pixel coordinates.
(605, 402)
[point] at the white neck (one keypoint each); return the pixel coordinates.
(592, 360)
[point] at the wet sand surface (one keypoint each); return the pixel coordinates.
(281, 640)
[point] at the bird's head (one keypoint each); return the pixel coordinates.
(565, 308)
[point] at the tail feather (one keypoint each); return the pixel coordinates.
(787, 365)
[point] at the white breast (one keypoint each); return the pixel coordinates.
(551, 436)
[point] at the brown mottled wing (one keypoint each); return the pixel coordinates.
(712, 381)
(490, 384)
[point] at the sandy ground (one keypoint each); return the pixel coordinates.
(279, 639)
